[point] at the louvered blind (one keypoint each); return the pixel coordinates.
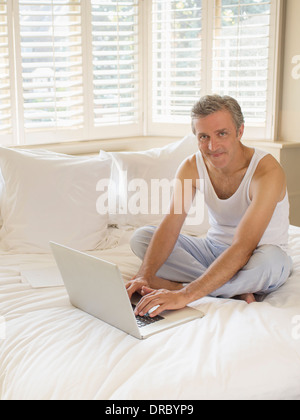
(5, 73)
(115, 61)
(241, 52)
(176, 58)
(52, 64)
(81, 69)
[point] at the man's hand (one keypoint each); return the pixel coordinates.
(136, 285)
(163, 299)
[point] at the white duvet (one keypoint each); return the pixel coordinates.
(50, 350)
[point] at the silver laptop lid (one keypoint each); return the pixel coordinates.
(96, 287)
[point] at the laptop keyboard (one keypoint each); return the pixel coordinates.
(145, 320)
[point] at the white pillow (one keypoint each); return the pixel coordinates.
(136, 178)
(51, 197)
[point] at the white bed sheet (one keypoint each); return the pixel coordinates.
(237, 351)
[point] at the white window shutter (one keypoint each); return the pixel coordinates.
(115, 51)
(51, 79)
(241, 56)
(227, 47)
(80, 69)
(176, 59)
(6, 75)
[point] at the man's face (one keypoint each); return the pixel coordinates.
(217, 138)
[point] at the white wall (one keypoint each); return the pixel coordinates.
(290, 106)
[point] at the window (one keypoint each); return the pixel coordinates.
(70, 70)
(91, 69)
(222, 46)
(6, 75)
(176, 59)
(243, 59)
(51, 73)
(115, 62)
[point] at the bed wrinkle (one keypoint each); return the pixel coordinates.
(119, 371)
(153, 364)
(23, 302)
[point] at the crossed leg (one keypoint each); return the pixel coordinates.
(268, 268)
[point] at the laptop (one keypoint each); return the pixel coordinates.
(96, 286)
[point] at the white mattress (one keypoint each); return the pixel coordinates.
(237, 351)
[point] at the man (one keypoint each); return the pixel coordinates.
(244, 252)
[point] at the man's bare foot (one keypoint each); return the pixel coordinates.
(247, 297)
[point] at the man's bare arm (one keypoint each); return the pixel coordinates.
(166, 235)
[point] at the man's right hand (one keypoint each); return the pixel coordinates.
(136, 285)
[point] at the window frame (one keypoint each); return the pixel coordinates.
(88, 131)
(144, 126)
(9, 138)
(36, 136)
(266, 132)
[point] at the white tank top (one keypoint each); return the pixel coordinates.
(225, 215)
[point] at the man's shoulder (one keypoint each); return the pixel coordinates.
(188, 169)
(189, 164)
(269, 175)
(269, 166)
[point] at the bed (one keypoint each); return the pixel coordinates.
(51, 350)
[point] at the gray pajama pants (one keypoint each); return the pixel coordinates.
(267, 270)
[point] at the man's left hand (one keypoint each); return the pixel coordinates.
(162, 299)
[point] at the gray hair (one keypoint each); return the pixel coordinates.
(210, 104)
